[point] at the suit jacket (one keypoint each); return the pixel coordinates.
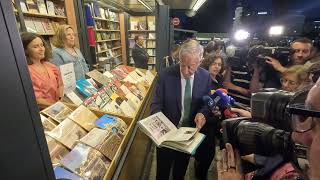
(140, 57)
(167, 94)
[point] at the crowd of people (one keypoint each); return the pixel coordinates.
(209, 68)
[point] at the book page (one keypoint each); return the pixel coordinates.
(182, 134)
(157, 126)
(188, 147)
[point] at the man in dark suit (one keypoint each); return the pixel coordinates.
(139, 54)
(178, 95)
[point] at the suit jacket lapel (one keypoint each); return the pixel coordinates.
(196, 83)
(177, 87)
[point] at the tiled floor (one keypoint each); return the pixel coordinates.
(212, 175)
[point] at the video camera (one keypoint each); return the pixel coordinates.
(257, 54)
(268, 132)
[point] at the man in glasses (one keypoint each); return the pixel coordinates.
(307, 129)
(305, 121)
(178, 95)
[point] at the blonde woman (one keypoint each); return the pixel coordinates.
(66, 52)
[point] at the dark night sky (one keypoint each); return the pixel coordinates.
(216, 15)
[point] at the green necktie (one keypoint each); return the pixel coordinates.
(186, 103)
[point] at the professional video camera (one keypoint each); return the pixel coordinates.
(257, 54)
(268, 132)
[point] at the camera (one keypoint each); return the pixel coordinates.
(254, 137)
(269, 130)
(257, 54)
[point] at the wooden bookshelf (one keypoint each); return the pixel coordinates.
(45, 24)
(107, 25)
(145, 26)
(107, 40)
(43, 15)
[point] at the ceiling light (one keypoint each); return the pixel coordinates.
(241, 35)
(263, 13)
(275, 30)
(198, 4)
(145, 5)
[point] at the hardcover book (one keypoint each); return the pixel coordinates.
(86, 162)
(67, 133)
(61, 173)
(47, 124)
(38, 24)
(47, 26)
(56, 150)
(57, 111)
(32, 6)
(107, 142)
(84, 117)
(50, 7)
(85, 87)
(165, 134)
(30, 25)
(98, 77)
(42, 7)
(117, 125)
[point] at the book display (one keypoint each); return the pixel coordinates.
(145, 26)
(120, 91)
(108, 37)
(86, 143)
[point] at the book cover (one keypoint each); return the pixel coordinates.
(42, 7)
(58, 111)
(98, 77)
(61, 173)
(107, 142)
(47, 124)
(32, 6)
(30, 25)
(74, 98)
(117, 125)
(59, 10)
(56, 150)
(48, 28)
(96, 9)
(86, 162)
(50, 7)
(67, 133)
(85, 87)
(38, 24)
(102, 13)
(84, 117)
(23, 6)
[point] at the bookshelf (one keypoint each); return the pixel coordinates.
(145, 26)
(107, 27)
(43, 16)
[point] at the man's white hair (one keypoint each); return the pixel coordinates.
(191, 47)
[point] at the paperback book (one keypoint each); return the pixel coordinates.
(115, 124)
(105, 141)
(86, 162)
(58, 111)
(67, 133)
(84, 117)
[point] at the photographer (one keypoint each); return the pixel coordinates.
(306, 131)
(301, 52)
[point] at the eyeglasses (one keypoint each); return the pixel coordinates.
(301, 123)
(291, 83)
(303, 118)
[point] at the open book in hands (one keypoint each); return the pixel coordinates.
(165, 134)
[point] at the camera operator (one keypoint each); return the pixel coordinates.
(306, 132)
(301, 52)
